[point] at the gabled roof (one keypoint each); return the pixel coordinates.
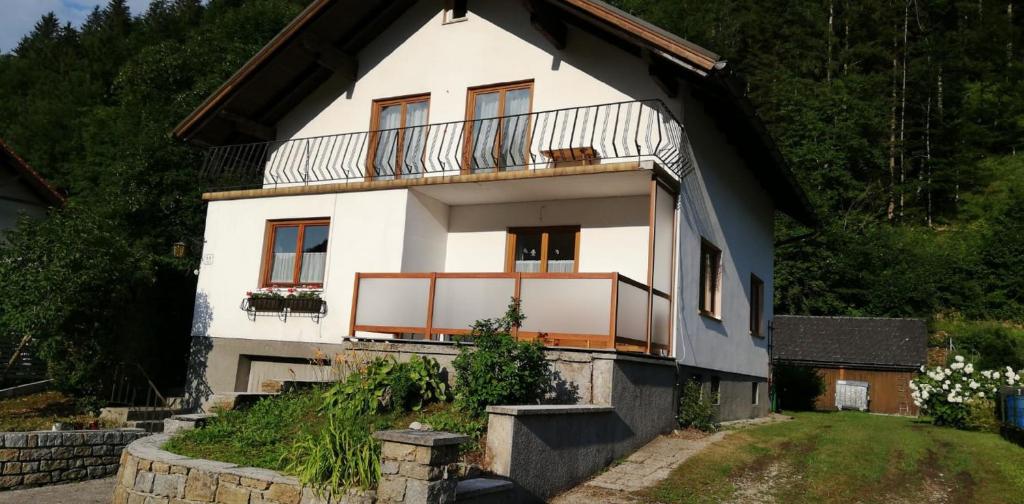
(323, 40)
(13, 163)
(884, 343)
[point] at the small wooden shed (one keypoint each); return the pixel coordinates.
(849, 352)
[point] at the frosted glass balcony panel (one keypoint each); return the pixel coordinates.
(458, 302)
(393, 302)
(661, 321)
(566, 305)
(632, 310)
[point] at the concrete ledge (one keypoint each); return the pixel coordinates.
(548, 409)
(421, 438)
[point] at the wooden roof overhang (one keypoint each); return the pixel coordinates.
(324, 39)
(23, 172)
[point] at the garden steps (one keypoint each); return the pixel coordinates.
(130, 415)
(179, 423)
(484, 490)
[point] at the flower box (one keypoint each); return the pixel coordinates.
(266, 304)
(304, 304)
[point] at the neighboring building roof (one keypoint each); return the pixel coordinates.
(850, 341)
(323, 39)
(25, 173)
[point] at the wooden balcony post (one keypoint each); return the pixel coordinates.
(355, 303)
(613, 329)
(430, 306)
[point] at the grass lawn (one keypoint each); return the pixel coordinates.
(40, 411)
(262, 435)
(850, 457)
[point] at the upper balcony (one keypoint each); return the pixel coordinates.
(612, 137)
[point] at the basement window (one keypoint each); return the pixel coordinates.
(455, 11)
(716, 391)
(754, 389)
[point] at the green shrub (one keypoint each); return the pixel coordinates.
(387, 385)
(798, 386)
(696, 410)
(343, 455)
(981, 416)
(498, 369)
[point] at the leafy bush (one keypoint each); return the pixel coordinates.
(343, 455)
(989, 344)
(798, 386)
(957, 395)
(386, 385)
(499, 369)
(696, 410)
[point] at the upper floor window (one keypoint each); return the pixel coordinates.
(398, 138)
(543, 250)
(497, 133)
(455, 10)
(756, 306)
(710, 279)
(296, 253)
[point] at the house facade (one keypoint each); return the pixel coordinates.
(417, 164)
(23, 192)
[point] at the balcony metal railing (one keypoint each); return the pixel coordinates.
(581, 310)
(613, 132)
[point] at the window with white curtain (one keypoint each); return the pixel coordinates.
(543, 250)
(499, 127)
(296, 254)
(399, 137)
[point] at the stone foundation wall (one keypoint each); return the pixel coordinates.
(29, 459)
(149, 474)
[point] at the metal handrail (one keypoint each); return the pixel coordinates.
(629, 130)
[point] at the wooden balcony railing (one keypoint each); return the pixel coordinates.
(594, 134)
(581, 310)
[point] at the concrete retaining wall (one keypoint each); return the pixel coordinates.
(30, 459)
(222, 365)
(150, 474)
(545, 449)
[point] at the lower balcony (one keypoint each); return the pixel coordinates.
(574, 310)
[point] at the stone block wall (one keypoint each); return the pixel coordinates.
(29, 459)
(149, 474)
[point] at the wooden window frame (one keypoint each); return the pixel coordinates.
(377, 107)
(268, 250)
(757, 301)
(716, 294)
(501, 89)
(510, 246)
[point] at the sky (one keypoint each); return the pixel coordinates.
(17, 17)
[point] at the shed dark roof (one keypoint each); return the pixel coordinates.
(850, 341)
(324, 41)
(24, 172)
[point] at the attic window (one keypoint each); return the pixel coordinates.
(455, 11)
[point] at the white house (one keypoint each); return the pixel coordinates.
(416, 164)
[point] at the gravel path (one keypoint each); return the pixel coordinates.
(85, 492)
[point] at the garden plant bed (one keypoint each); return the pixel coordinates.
(849, 457)
(263, 435)
(40, 411)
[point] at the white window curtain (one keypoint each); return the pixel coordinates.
(514, 128)
(485, 131)
(313, 266)
(528, 266)
(283, 268)
(389, 120)
(415, 139)
(561, 266)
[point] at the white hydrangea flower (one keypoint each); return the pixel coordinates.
(956, 365)
(974, 385)
(981, 394)
(959, 358)
(945, 386)
(922, 368)
(987, 373)
(924, 395)
(995, 375)
(969, 368)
